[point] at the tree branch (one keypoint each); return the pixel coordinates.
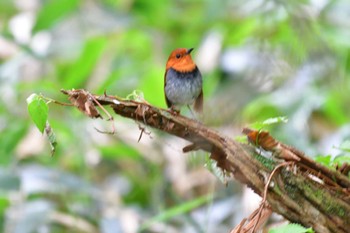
(304, 192)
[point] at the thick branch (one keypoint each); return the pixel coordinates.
(305, 192)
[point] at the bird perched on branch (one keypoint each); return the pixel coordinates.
(182, 81)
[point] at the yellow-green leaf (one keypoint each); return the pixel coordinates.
(38, 111)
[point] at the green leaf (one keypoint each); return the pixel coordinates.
(325, 160)
(270, 121)
(136, 95)
(38, 111)
(177, 210)
(340, 159)
(77, 74)
(291, 228)
(52, 12)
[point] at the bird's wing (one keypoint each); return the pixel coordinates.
(168, 103)
(198, 103)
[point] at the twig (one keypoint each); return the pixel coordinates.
(110, 118)
(263, 202)
(143, 130)
(49, 100)
(238, 228)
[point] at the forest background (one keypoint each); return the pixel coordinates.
(259, 59)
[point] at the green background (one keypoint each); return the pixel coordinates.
(259, 59)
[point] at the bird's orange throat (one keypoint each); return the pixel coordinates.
(184, 68)
(185, 65)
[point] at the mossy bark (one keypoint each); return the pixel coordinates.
(296, 191)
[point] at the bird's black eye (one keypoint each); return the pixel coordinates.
(178, 56)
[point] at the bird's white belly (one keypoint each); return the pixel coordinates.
(183, 90)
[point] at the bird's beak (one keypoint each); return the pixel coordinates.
(189, 50)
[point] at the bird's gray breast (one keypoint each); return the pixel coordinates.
(183, 88)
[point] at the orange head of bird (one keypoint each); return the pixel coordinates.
(181, 60)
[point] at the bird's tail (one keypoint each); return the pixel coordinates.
(198, 104)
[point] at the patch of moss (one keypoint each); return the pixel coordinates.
(268, 163)
(335, 210)
(325, 200)
(291, 191)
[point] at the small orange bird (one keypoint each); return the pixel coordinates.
(182, 81)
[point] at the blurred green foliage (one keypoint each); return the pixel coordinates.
(259, 59)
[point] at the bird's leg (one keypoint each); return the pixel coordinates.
(192, 113)
(174, 111)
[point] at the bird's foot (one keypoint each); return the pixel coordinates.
(174, 111)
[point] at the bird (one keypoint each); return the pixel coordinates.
(183, 82)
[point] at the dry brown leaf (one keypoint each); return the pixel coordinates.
(247, 225)
(264, 140)
(83, 100)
